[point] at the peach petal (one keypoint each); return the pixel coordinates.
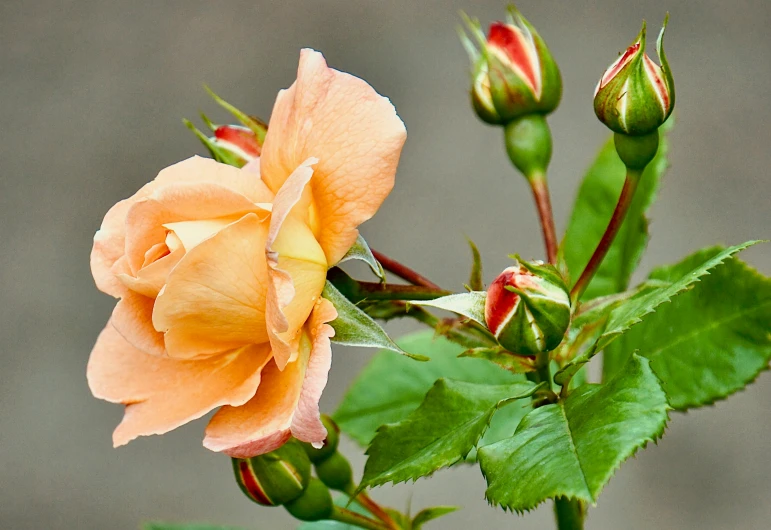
(306, 423)
(109, 245)
(160, 393)
(177, 202)
(286, 402)
(214, 299)
(357, 137)
(150, 279)
(132, 318)
(297, 257)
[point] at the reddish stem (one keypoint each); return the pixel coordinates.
(540, 189)
(374, 508)
(403, 271)
(624, 200)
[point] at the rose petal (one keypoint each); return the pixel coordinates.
(161, 393)
(133, 319)
(306, 423)
(357, 137)
(214, 299)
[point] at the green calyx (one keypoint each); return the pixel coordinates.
(636, 151)
(635, 96)
(529, 145)
(314, 504)
(336, 473)
(274, 478)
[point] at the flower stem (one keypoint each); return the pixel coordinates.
(375, 509)
(540, 187)
(616, 220)
(357, 291)
(570, 513)
(403, 271)
(347, 516)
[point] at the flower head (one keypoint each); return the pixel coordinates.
(219, 271)
(635, 96)
(514, 73)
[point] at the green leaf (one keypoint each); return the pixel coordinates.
(476, 281)
(361, 251)
(158, 525)
(442, 431)
(470, 305)
(592, 210)
(429, 514)
(572, 448)
(392, 386)
(633, 310)
(709, 342)
(353, 327)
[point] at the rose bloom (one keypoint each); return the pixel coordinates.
(220, 270)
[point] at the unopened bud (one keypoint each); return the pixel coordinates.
(330, 442)
(635, 96)
(314, 504)
(514, 73)
(528, 308)
(274, 478)
(335, 471)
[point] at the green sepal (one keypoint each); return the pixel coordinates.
(353, 327)
(429, 514)
(476, 281)
(217, 152)
(257, 126)
(361, 251)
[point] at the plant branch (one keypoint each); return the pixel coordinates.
(540, 187)
(403, 271)
(375, 509)
(357, 291)
(616, 220)
(570, 513)
(356, 519)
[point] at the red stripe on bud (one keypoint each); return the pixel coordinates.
(252, 485)
(241, 137)
(619, 65)
(500, 302)
(518, 49)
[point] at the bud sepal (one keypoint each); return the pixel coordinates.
(528, 308)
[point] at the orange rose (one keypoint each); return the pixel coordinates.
(220, 270)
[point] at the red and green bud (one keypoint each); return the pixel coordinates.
(635, 96)
(235, 145)
(274, 478)
(513, 73)
(314, 504)
(330, 442)
(528, 308)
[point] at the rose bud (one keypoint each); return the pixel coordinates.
(314, 504)
(528, 308)
(635, 96)
(274, 478)
(514, 73)
(336, 473)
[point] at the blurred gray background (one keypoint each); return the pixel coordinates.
(91, 98)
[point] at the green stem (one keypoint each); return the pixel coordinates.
(357, 291)
(348, 517)
(403, 271)
(616, 220)
(570, 513)
(540, 187)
